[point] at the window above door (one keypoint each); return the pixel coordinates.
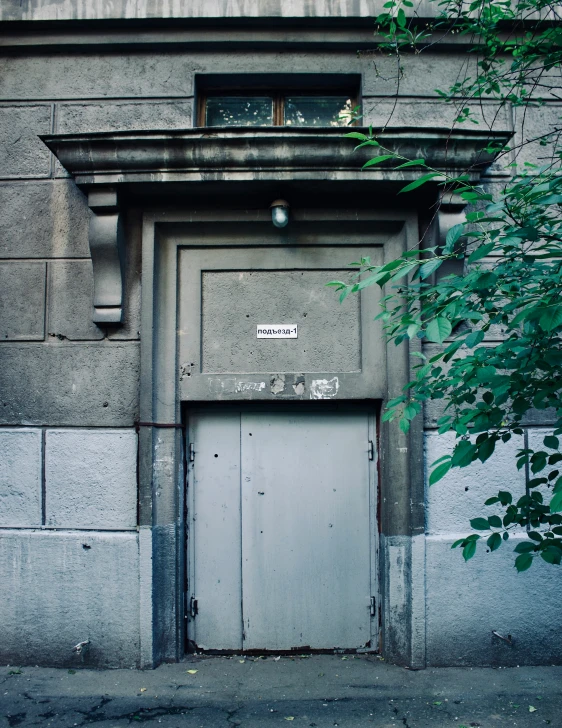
(297, 100)
(280, 109)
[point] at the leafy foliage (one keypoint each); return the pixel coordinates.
(511, 287)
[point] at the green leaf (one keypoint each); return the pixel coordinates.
(439, 472)
(428, 268)
(524, 548)
(523, 562)
(404, 425)
(474, 338)
(438, 329)
(481, 252)
(469, 550)
(551, 442)
(454, 234)
(419, 182)
(494, 541)
(495, 521)
(412, 163)
(378, 160)
(551, 318)
(464, 453)
(556, 503)
(356, 135)
(479, 524)
(486, 448)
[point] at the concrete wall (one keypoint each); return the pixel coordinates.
(466, 602)
(69, 549)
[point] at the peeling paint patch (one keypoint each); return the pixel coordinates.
(299, 385)
(324, 388)
(185, 370)
(277, 383)
(222, 386)
(250, 386)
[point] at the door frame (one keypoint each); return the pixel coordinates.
(162, 458)
(372, 412)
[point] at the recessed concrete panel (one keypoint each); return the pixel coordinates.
(91, 478)
(43, 220)
(71, 295)
(20, 477)
(538, 124)
(430, 113)
(466, 601)
(22, 153)
(460, 495)
(77, 118)
(234, 302)
(97, 75)
(22, 301)
(416, 75)
(98, 9)
(69, 384)
(62, 588)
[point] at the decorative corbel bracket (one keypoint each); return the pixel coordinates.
(106, 248)
(451, 213)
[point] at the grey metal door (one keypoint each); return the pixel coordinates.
(282, 530)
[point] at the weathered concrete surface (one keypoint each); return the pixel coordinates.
(61, 588)
(71, 295)
(76, 118)
(96, 75)
(101, 9)
(234, 302)
(91, 478)
(460, 495)
(20, 477)
(430, 113)
(170, 74)
(21, 152)
(43, 220)
(69, 384)
(533, 125)
(466, 601)
(22, 301)
(323, 691)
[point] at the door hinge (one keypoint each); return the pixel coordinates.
(193, 608)
(191, 452)
(373, 607)
(371, 450)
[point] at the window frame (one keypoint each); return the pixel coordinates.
(278, 97)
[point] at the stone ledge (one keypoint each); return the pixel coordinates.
(264, 153)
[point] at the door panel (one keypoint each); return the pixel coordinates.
(282, 549)
(305, 531)
(215, 539)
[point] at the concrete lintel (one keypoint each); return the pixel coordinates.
(204, 153)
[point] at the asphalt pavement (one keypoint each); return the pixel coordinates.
(318, 691)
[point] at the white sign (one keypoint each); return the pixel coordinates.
(277, 331)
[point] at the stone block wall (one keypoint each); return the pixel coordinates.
(69, 551)
(466, 602)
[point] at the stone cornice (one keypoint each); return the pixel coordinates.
(247, 153)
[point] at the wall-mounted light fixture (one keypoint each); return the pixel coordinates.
(279, 213)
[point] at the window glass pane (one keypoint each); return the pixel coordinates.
(239, 111)
(317, 110)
